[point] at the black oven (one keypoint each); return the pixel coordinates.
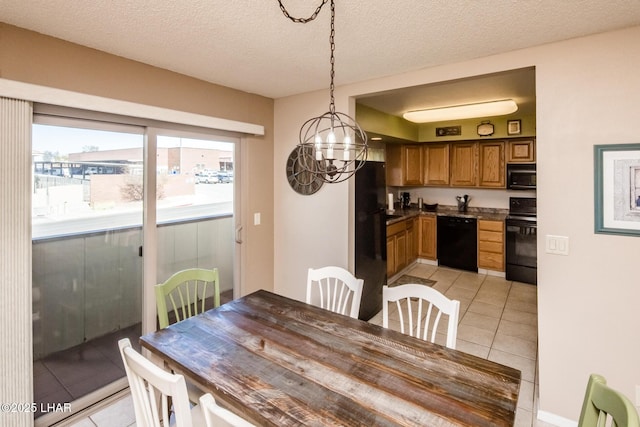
(521, 176)
(522, 240)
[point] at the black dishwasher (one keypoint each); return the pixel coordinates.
(458, 242)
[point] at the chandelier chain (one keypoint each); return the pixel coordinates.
(332, 44)
(313, 16)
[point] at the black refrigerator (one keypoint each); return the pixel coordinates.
(371, 236)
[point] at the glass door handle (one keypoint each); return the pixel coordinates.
(239, 234)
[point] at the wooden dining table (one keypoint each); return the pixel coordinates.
(279, 362)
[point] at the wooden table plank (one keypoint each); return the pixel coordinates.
(282, 362)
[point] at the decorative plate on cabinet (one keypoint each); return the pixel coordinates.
(485, 128)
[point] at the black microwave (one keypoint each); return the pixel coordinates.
(521, 176)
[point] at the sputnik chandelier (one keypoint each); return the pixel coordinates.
(338, 143)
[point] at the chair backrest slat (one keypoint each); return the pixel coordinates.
(603, 404)
(186, 291)
(149, 384)
(436, 304)
(216, 416)
(334, 289)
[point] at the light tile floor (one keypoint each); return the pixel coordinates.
(498, 321)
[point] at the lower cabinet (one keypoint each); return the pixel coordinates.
(402, 245)
(428, 238)
(491, 245)
(417, 237)
(391, 256)
(412, 240)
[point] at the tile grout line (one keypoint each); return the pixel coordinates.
(500, 319)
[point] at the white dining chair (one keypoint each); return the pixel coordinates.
(159, 397)
(423, 307)
(336, 289)
(217, 416)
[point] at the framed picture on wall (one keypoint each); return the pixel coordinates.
(513, 127)
(617, 189)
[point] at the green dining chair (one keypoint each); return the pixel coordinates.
(186, 291)
(601, 402)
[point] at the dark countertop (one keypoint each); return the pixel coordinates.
(491, 214)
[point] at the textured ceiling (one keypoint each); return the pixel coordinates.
(250, 45)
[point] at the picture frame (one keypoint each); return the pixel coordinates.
(514, 127)
(617, 189)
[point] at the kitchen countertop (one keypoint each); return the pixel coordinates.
(491, 214)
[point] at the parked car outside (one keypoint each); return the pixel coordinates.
(224, 177)
(207, 178)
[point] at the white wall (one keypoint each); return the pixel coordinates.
(587, 93)
(310, 231)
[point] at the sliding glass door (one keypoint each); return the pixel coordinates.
(194, 189)
(87, 272)
(117, 208)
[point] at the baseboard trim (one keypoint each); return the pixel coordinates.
(491, 272)
(556, 420)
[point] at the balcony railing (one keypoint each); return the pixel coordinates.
(88, 285)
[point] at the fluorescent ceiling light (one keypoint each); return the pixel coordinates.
(466, 111)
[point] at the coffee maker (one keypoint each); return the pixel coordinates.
(406, 200)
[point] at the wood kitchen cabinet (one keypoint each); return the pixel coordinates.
(412, 240)
(521, 151)
(427, 233)
(436, 164)
(404, 164)
(464, 164)
(402, 245)
(391, 256)
(400, 251)
(396, 247)
(491, 164)
(491, 245)
(456, 164)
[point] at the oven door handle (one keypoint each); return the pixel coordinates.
(520, 223)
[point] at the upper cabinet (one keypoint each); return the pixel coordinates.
(436, 164)
(404, 164)
(492, 169)
(521, 151)
(464, 164)
(456, 164)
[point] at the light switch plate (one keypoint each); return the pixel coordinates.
(557, 245)
(256, 218)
